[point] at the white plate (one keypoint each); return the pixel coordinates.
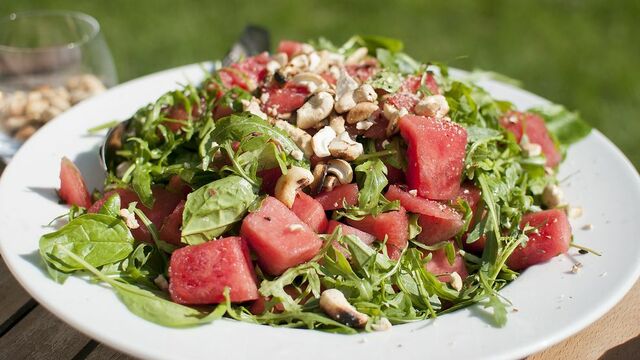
(553, 303)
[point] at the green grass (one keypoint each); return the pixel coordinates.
(580, 53)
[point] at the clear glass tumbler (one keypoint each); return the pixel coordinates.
(49, 61)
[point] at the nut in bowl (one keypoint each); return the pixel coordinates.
(49, 61)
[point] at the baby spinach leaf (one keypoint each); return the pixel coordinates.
(99, 239)
(214, 208)
(146, 304)
(111, 207)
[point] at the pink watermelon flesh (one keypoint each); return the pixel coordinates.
(350, 230)
(289, 47)
(394, 225)
(73, 190)
(200, 273)
(440, 266)
(534, 127)
(165, 203)
(178, 186)
(172, 225)
(436, 150)
(279, 238)
(286, 100)
(269, 179)
(332, 200)
(364, 70)
(552, 238)
(310, 212)
(439, 222)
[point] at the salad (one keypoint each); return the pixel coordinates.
(343, 189)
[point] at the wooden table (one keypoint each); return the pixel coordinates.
(28, 331)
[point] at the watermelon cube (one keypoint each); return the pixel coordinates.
(164, 204)
(310, 211)
(279, 238)
(73, 190)
(334, 199)
(440, 266)
(436, 150)
(532, 125)
(172, 226)
(269, 179)
(392, 226)
(286, 100)
(439, 222)
(289, 47)
(200, 273)
(552, 238)
(350, 230)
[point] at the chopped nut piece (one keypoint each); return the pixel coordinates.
(393, 114)
(313, 82)
(362, 111)
(337, 124)
(161, 282)
(587, 227)
(345, 87)
(253, 106)
(341, 170)
(299, 136)
(434, 105)
(25, 133)
(129, 219)
(383, 325)
(295, 227)
(364, 125)
(531, 149)
(576, 267)
(574, 212)
(365, 93)
(345, 148)
(456, 281)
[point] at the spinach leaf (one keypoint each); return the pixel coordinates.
(214, 208)
(99, 239)
(111, 207)
(148, 305)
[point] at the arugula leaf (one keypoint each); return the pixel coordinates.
(386, 80)
(414, 228)
(100, 239)
(238, 127)
(215, 208)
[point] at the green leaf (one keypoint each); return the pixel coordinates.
(99, 239)
(373, 42)
(414, 228)
(238, 127)
(386, 80)
(215, 208)
(111, 207)
(149, 305)
(141, 183)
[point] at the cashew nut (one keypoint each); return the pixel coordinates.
(365, 93)
(289, 183)
(393, 114)
(319, 175)
(361, 111)
(337, 124)
(334, 304)
(341, 170)
(299, 136)
(434, 105)
(313, 82)
(321, 141)
(314, 110)
(329, 183)
(383, 325)
(345, 148)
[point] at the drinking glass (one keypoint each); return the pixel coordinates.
(49, 61)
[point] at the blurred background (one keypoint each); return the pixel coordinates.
(583, 54)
